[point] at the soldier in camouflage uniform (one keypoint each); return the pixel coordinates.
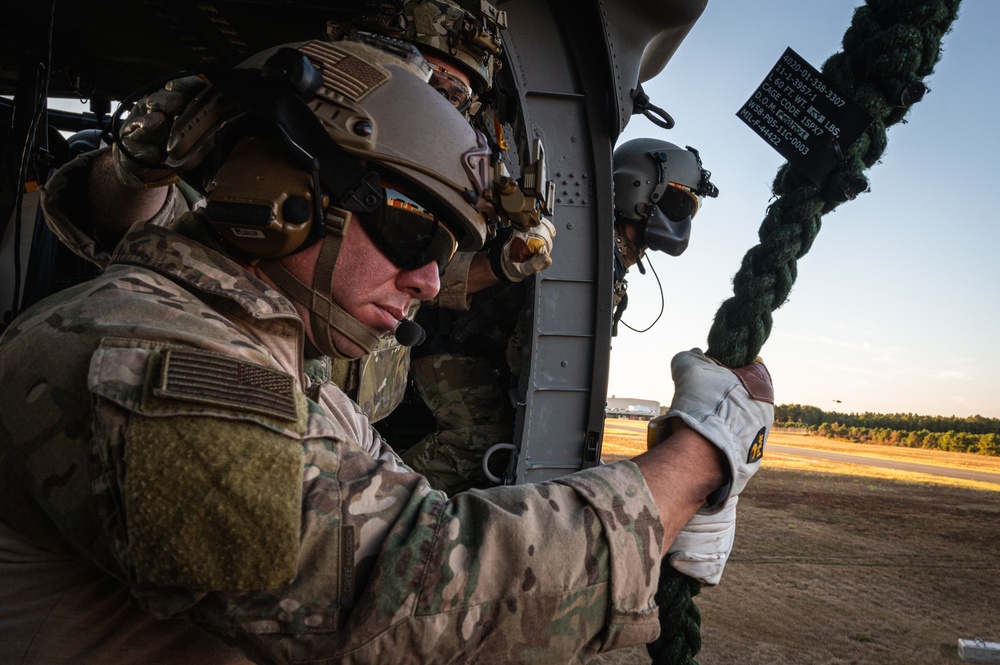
(464, 372)
(175, 488)
(126, 192)
(375, 381)
(659, 188)
(462, 376)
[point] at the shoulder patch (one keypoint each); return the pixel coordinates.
(210, 378)
(212, 505)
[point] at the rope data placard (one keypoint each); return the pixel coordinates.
(808, 121)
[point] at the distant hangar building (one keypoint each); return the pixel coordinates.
(631, 408)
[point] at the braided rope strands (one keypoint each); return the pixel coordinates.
(889, 48)
(680, 619)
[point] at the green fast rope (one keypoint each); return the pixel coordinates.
(889, 48)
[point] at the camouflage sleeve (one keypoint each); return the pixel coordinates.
(353, 419)
(454, 293)
(349, 557)
(62, 208)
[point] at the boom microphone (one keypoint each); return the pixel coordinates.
(409, 333)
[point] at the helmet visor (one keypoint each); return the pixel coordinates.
(408, 233)
(679, 202)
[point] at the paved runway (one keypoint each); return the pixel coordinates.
(967, 474)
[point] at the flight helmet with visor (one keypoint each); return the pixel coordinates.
(659, 188)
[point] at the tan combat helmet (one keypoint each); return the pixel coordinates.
(464, 46)
(312, 131)
(444, 28)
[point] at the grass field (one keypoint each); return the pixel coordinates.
(844, 564)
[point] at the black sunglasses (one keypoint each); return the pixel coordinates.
(408, 233)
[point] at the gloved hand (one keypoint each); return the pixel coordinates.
(702, 547)
(145, 130)
(732, 408)
(525, 253)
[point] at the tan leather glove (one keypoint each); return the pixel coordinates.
(145, 130)
(525, 253)
(732, 408)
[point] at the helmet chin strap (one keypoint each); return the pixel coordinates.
(326, 315)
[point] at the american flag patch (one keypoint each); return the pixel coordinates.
(209, 378)
(346, 74)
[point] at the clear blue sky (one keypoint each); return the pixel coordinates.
(896, 306)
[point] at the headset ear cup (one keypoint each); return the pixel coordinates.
(261, 201)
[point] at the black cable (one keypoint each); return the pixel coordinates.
(43, 71)
(662, 304)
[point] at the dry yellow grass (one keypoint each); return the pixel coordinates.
(624, 439)
(937, 457)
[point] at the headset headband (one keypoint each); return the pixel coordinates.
(275, 94)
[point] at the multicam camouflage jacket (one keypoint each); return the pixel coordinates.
(157, 427)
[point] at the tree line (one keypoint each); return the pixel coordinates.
(974, 434)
